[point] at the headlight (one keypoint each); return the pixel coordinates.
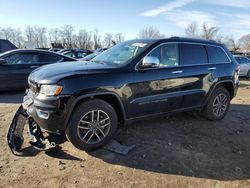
(51, 90)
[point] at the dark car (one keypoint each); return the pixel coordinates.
(77, 53)
(6, 45)
(16, 65)
(132, 80)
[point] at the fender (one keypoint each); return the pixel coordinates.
(92, 95)
(213, 88)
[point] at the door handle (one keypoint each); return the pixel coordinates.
(177, 72)
(34, 66)
(212, 68)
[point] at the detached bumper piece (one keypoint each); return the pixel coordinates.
(15, 137)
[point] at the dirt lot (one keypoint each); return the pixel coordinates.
(182, 150)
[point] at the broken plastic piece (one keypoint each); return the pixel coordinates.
(15, 134)
(117, 147)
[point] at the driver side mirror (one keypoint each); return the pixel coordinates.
(2, 61)
(150, 62)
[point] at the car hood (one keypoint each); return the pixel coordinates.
(52, 73)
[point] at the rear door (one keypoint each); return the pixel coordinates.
(14, 74)
(197, 73)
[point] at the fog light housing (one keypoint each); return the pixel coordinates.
(42, 114)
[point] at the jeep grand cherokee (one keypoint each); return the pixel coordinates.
(134, 79)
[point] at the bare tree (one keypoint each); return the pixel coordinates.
(18, 38)
(244, 43)
(84, 39)
(7, 33)
(118, 38)
(150, 32)
(192, 30)
(54, 35)
(209, 32)
(40, 36)
(108, 40)
(66, 34)
(96, 39)
(30, 34)
(231, 44)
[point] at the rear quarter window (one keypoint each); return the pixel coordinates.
(216, 55)
(193, 54)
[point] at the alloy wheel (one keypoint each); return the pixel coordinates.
(220, 105)
(94, 126)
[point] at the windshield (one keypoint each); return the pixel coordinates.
(121, 53)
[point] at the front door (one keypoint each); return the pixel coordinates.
(157, 90)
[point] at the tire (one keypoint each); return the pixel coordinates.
(84, 124)
(248, 74)
(217, 105)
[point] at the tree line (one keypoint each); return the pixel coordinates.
(41, 37)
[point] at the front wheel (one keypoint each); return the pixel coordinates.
(218, 104)
(92, 125)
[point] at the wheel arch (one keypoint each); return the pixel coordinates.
(227, 84)
(111, 98)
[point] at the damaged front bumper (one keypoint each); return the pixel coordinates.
(15, 137)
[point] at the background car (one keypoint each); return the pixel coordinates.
(6, 45)
(244, 65)
(16, 65)
(90, 57)
(77, 53)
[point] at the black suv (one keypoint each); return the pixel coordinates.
(134, 79)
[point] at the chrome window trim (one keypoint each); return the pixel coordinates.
(196, 43)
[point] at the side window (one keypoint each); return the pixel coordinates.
(244, 60)
(47, 58)
(22, 58)
(167, 54)
(193, 54)
(216, 55)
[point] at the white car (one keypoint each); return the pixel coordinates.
(244, 65)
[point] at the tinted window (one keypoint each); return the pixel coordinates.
(244, 60)
(238, 60)
(192, 54)
(167, 54)
(22, 58)
(49, 58)
(216, 55)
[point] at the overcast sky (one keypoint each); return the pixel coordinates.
(129, 16)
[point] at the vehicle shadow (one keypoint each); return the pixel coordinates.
(188, 145)
(11, 97)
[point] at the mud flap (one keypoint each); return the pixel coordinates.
(15, 133)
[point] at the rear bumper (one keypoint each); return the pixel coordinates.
(50, 113)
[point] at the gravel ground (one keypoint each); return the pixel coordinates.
(181, 150)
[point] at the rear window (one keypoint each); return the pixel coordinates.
(193, 54)
(216, 55)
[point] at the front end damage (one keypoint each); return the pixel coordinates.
(15, 137)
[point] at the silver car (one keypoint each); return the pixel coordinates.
(244, 65)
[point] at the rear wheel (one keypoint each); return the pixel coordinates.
(248, 74)
(92, 124)
(218, 104)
